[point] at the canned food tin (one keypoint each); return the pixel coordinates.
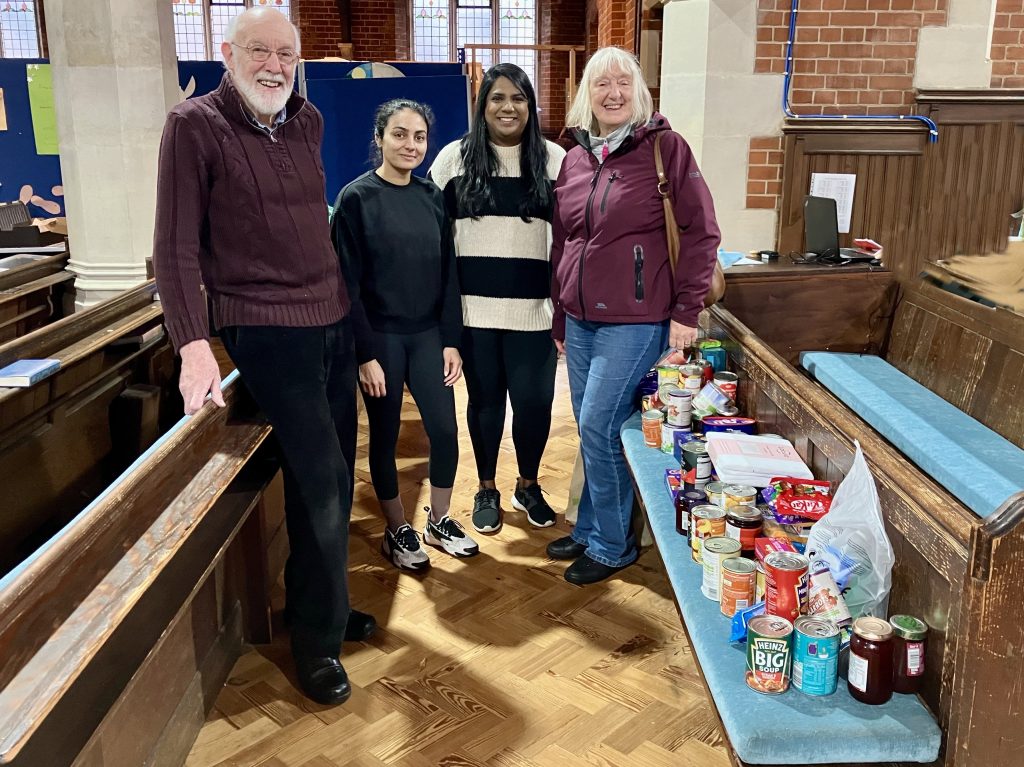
(729, 411)
(669, 434)
(815, 656)
(708, 370)
(824, 600)
(706, 521)
(744, 523)
(739, 495)
(727, 382)
(709, 401)
(713, 354)
(769, 654)
(691, 377)
(759, 584)
(695, 457)
(678, 407)
(668, 379)
(785, 575)
(716, 493)
(683, 435)
(651, 422)
(736, 591)
(715, 551)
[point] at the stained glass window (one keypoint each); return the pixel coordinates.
(19, 30)
(199, 24)
(441, 27)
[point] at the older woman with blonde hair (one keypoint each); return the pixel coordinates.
(617, 299)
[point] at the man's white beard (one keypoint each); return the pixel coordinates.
(258, 100)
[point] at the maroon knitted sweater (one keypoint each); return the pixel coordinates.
(243, 214)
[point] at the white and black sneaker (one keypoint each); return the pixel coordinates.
(448, 535)
(403, 548)
(531, 500)
(487, 510)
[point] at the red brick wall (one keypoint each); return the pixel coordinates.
(1008, 45)
(764, 172)
(319, 27)
(616, 23)
(562, 22)
(853, 56)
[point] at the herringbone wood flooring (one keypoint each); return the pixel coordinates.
(495, 660)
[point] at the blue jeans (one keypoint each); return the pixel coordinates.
(606, 362)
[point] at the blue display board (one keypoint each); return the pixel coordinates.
(347, 104)
(348, 107)
(19, 164)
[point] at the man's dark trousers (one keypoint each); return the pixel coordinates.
(304, 381)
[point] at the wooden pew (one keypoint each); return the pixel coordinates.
(957, 571)
(118, 633)
(31, 293)
(63, 440)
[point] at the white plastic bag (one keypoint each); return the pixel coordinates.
(851, 539)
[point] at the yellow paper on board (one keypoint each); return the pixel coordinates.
(3, 111)
(44, 114)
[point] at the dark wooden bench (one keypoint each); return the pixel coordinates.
(32, 292)
(117, 633)
(957, 571)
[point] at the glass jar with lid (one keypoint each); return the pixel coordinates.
(870, 673)
(908, 651)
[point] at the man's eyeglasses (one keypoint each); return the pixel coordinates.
(261, 53)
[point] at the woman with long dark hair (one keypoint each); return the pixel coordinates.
(395, 244)
(497, 183)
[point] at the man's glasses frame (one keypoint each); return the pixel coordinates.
(261, 53)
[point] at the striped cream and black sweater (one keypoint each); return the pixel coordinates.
(503, 261)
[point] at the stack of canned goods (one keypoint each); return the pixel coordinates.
(804, 652)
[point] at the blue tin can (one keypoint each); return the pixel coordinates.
(815, 655)
(713, 354)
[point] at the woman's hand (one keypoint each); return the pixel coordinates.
(371, 378)
(680, 336)
(560, 347)
(452, 365)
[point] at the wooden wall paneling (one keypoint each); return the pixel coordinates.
(886, 158)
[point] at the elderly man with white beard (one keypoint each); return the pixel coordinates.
(242, 238)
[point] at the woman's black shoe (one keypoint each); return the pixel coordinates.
(565, 548)
(323, 679)
(360, 626)
(585, 571)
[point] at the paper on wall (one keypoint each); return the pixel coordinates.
(3, 111)
(838, 186)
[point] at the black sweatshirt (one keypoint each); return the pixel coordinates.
(398, 259)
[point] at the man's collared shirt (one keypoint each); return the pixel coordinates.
(278, 121)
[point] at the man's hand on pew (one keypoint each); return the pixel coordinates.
(681, 336)
(200, 376)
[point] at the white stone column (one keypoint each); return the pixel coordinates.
(710, 95)
(957, 55)
(114, 78)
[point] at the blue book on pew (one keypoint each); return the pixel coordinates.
(27, 372)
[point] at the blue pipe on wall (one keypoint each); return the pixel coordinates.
(933, 129)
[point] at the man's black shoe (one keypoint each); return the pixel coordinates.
(360, 626)
(585, 571)
(323, 679)
(565, 548)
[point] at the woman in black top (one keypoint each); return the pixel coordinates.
(394, 240)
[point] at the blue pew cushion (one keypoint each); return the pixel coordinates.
(971, 461)
(791, 728)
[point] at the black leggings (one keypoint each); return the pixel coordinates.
(519, 365)
(413, 359)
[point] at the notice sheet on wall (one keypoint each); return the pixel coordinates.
(838, 186)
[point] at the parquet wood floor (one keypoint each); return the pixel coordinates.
(494, 660)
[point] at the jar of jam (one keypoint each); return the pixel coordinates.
(908, 649)
(686, 500)
(743, 523)
(870, 675)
